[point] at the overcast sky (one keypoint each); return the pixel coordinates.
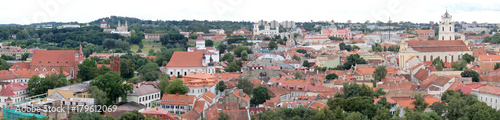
(82, 11)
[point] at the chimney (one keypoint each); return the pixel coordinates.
(241, 92)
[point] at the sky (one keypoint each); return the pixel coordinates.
(82, 11)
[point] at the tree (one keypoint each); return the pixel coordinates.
(7, 57)
(134, 115)
(437, 61)
(331, 76)
(272, 45)
(25, 56)
(439, 67)
(420, 103)
(3, 65)
(246, 85)
(305, 63)
(382, 114)
(177, 86)
(220, 87)
(164, 82)
(232, 67)
(382, 103)
(342, 46)
(228, 57)
(237, 51)
(468, 58)
(438, 107)
(470, 73)
(99, 96)
(244, 55)
(209, 43)
(150, 71)
(459, 66)
(497, 66)
(223, 116)
(127, 68)
(335, 38)
(88, 70)
(298, 75)
(112, 84)
(260, 95)
(222, 48)
(295, 57)
(379, 73)
(88, 116)
(303, 51)
(355, 116)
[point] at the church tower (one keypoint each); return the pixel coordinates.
(256, 28)
(446, 27)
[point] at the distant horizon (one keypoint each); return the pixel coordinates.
(423, 11)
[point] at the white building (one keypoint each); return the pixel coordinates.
(210, 52)
(144, 94)
(184, 63)
(14, 91)
(267, 30)
(218, 31)
(488, 94)
(446, 28)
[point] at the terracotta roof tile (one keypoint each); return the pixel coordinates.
(186, 59)
(244, 96)
(9, 89)
(191, 115)
(176, 99)
(438, 45)
(20, 65)
(55, 57)
(199, 105)
(7, 75)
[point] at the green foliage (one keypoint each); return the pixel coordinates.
(164, 82)
(298, 75)
(150, 71)
(220, 87)
(25, 56)
(352, 59)
(497, 66)
(173, 38)
(37, 85)
(300, 113)
(235, 39)
(223, 116)
(305, 63)
(166, 54)
(233, 67)
(246, 85)
(393, 48)
(331, 76)
(88, 70)
(303, 51)
(209, 43)
(382, 114)
(377, 48)
(127, 68)
(420, 103)
(228, 57)
(100, 97)
(439, 107)
(112, 84)
(7, 57)
(244, 55)
(379, 73)
(493, 39)
(295, 57)
(321, 69)
(272, 45)
(335, 38)
(88, 116)
(3, 65)
(177, 86)
(193, 36)
(382, 103)
(222, 48)
(116, 44)
(355, 116)
(471, 73)
(237, 51)
(260, 95)
(468, 58)
(459, 66)
(134, 115)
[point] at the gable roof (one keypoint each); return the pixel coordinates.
(20, 65)
(9, 89)
(176, 99)
(55, 57)
(438, 45)
(7, 75)
(144, 89)
(244, 96)
(186, 59)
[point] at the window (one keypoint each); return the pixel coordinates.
(442, 28)
(425, 58)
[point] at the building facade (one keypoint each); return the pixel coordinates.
(184, 63)
(446, 27)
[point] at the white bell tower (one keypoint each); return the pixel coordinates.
(446, 27)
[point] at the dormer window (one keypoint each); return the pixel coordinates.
(48, 62)
(66, 61)
(44, 69)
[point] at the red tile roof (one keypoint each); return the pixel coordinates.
(176, 99)
(487, 89)
(244, 96)
(212, 112)
(489, 57)
(20, 65)
(364, 71)
(199, 105)
(9, 89)
(55, 57)
(476, 52)
(7, 75)
(438, 45)
(186, 59)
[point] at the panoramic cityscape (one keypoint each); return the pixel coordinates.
(250, 60)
